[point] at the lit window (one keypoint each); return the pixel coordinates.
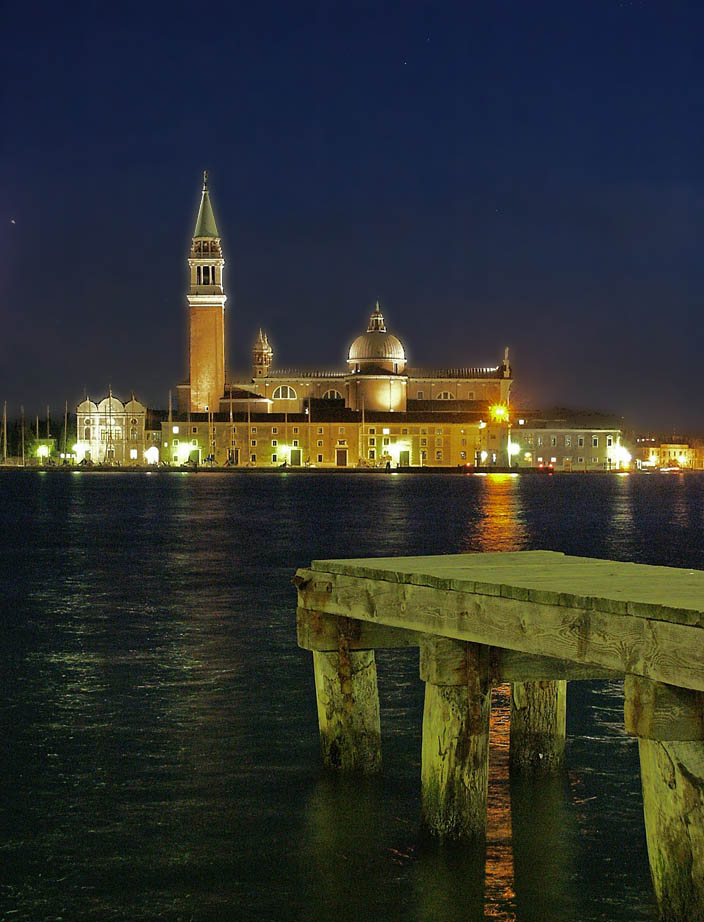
(595, 460)
(385, 431)
(553, 440)
(133, 454)
(423, 441)
(445, 395)
(568, 441)
(284, 392)
(175, 430)
(540, 440)
(438, 432)
(438, 456)
(553, 460)
(463, 455)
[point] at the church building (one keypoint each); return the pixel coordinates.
(371, 410)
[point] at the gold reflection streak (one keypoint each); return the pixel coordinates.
(501, 527)
(500, 894)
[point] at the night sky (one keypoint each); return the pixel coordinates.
(518, 173)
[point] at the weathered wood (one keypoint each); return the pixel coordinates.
(318, 631)
(538, 727)
(672, 774)
(664, 651)
(348, 709)
(455, 753)
(657, 711)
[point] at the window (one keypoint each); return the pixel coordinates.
(540, 440)
(295, 443)
(86, 433)
(553, 460)
(438, 455)
(320, 443)
(174, 442)
(341, 429)
(463, 441)
(419, 395)
(175, 430)
(580, 460)
(595, 460)
(342, 441)
(595, 441)
(553, 440)
(463, 455)
(423, 431)
(372, 454)
(372, 431)
(386, 431)
(284, 392)
(445, 395)
(253, 443)
(320, 430)
(609, 441)
(470, 395)
(274, 443)
(423, 441)
(198, 275)
(332, 394)
(320, 459)
(254, 428)
(438, 432)
(372, 440)
(438, 441)
(133, 434)
(295, 431)
(274, 430)
(133, 454)
(206, 275)
(580, 441)
(387, 440)
(194, 442)
(274, 459)
(568, 441)
(404, 432)
(253, 459)
(194, 429)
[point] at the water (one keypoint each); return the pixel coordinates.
(159, 737)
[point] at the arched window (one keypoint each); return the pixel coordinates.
(445, 395)
(332, 394)
(284, 392)
(206, 275)
(133, 434)
(86, 433)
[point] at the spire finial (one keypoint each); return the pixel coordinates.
(205, 180)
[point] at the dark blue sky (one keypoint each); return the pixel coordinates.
(497, 173)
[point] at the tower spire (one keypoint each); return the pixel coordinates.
(205, 222)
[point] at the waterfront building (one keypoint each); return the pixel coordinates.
(112, 432)
(569, 444)
(373, 409)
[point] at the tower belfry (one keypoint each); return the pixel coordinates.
(206, 300)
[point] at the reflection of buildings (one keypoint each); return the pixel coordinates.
(376, 409)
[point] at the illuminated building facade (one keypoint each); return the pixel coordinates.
(372, 410)
(112, 432)
(559, 446)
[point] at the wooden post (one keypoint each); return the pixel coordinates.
(538, 726)
(455, 750)
(348, 706)
(669, 724)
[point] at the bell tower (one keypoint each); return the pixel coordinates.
(262, 355)
(206, 301)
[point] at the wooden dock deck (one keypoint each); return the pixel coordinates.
(535, 619)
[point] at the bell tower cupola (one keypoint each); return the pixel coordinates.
(262, 356)
(206, 301)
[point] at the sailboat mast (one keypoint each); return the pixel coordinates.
(22, 430)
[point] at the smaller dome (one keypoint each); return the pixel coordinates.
(377, 346)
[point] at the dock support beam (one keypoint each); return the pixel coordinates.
(538, 726)
(669, 723)
(348, 709)
(455, 750)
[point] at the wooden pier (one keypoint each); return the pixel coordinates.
(535, 619)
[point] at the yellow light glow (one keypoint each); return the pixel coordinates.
(499, 413)
(152, 455)
(513, 448)
(484, 455)
(682, 460)
(42, 451)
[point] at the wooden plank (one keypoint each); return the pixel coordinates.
(663, 651)
(656, 711)
(514, 666)
(662, 593)
(318, 631)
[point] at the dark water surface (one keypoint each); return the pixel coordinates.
(159, 740)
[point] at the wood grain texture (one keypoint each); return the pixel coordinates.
(655, 711)
(538, 727)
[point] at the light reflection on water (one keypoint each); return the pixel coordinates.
(159, 724)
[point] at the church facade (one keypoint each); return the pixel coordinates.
(374, 409)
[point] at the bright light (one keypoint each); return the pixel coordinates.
(484, 455)
(682, 460)
(482, 424)
(521, 422)
(621, 456)
(499, 413)
(152, 455)
(43, 451)
(175, 430)
(386, 431)
(513, 448)
(133, 454)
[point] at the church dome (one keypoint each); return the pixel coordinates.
(377, 347)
